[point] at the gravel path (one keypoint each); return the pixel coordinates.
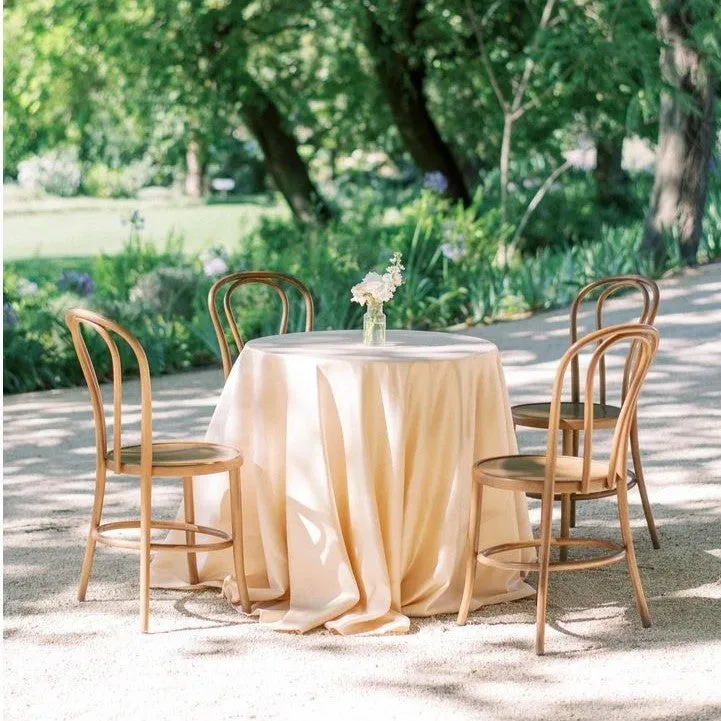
(65, 660)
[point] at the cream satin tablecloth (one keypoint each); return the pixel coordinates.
(356, 479)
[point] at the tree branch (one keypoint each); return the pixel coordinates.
(537, 198)
(533, 102)
(484, 57)
(530, 62)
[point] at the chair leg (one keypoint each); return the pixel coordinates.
(189, 508)
(641, 605)
(471, 552)
(544, 559)
(145, 515)
(100, 477)
(565, 499)
(576, 439)
(236, 519)
(641, 483)
(565, 525)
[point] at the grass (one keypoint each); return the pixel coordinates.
(85, 226)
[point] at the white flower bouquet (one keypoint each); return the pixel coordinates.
(374, 290)
(377, 288)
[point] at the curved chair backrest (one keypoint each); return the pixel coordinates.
(105, 328)
(610, 286)
(230, 283)
(644, 338)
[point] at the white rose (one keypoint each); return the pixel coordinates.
(358, 294)
(378, 287)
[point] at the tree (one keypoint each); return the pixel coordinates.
(194, 169)
(612, 181)
(61, 91)
(190, 61)
(690, 65)
(280, 149)
(211, 66)
(401, 71)
(559, 71)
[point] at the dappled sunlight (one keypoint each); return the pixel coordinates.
(59, 485)
(469, 671)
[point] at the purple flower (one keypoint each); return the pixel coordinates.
(10, 317)
(74, 282)
(135, 220)
(435, 181)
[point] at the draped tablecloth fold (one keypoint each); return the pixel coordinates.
(357, 477)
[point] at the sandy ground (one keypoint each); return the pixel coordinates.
(65, 660)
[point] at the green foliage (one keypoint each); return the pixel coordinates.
(125, 86)
(102, 181)
(711, 238)
(118, 274)
(128, 85)
(35, 353)
(451, 280)
(64, 87)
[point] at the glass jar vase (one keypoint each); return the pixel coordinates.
(374, 324)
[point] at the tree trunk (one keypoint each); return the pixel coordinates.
(612, 181)
(685, 137)
(194, 170)
(280, 150)
(403, 83)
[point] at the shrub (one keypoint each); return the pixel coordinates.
(166, 291)
(711, 238)
(452, 279)
(56, 172)
(103, 181)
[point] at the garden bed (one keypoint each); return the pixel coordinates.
(452, 279)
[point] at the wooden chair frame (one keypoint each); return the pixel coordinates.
(644, 343)
(609, 287)
(236, 280)
(144, 466)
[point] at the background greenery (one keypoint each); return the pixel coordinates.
(487, 141)
(161, 294)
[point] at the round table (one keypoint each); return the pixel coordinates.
(357, 477)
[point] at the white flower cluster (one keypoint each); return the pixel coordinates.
(215, 261)
(379, 288)
(56, 172)
(26, 288)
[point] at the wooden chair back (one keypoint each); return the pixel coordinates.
(644, 339)
(610, 286)
(229, 284)
(79, 317)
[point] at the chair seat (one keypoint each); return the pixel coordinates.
(170, 458)
(527, 474)
(535, 415)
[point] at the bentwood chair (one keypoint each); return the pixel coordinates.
(565, 475)
(229, 284)
(605, 415)
(150, 459)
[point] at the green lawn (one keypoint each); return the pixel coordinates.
(86, 227)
